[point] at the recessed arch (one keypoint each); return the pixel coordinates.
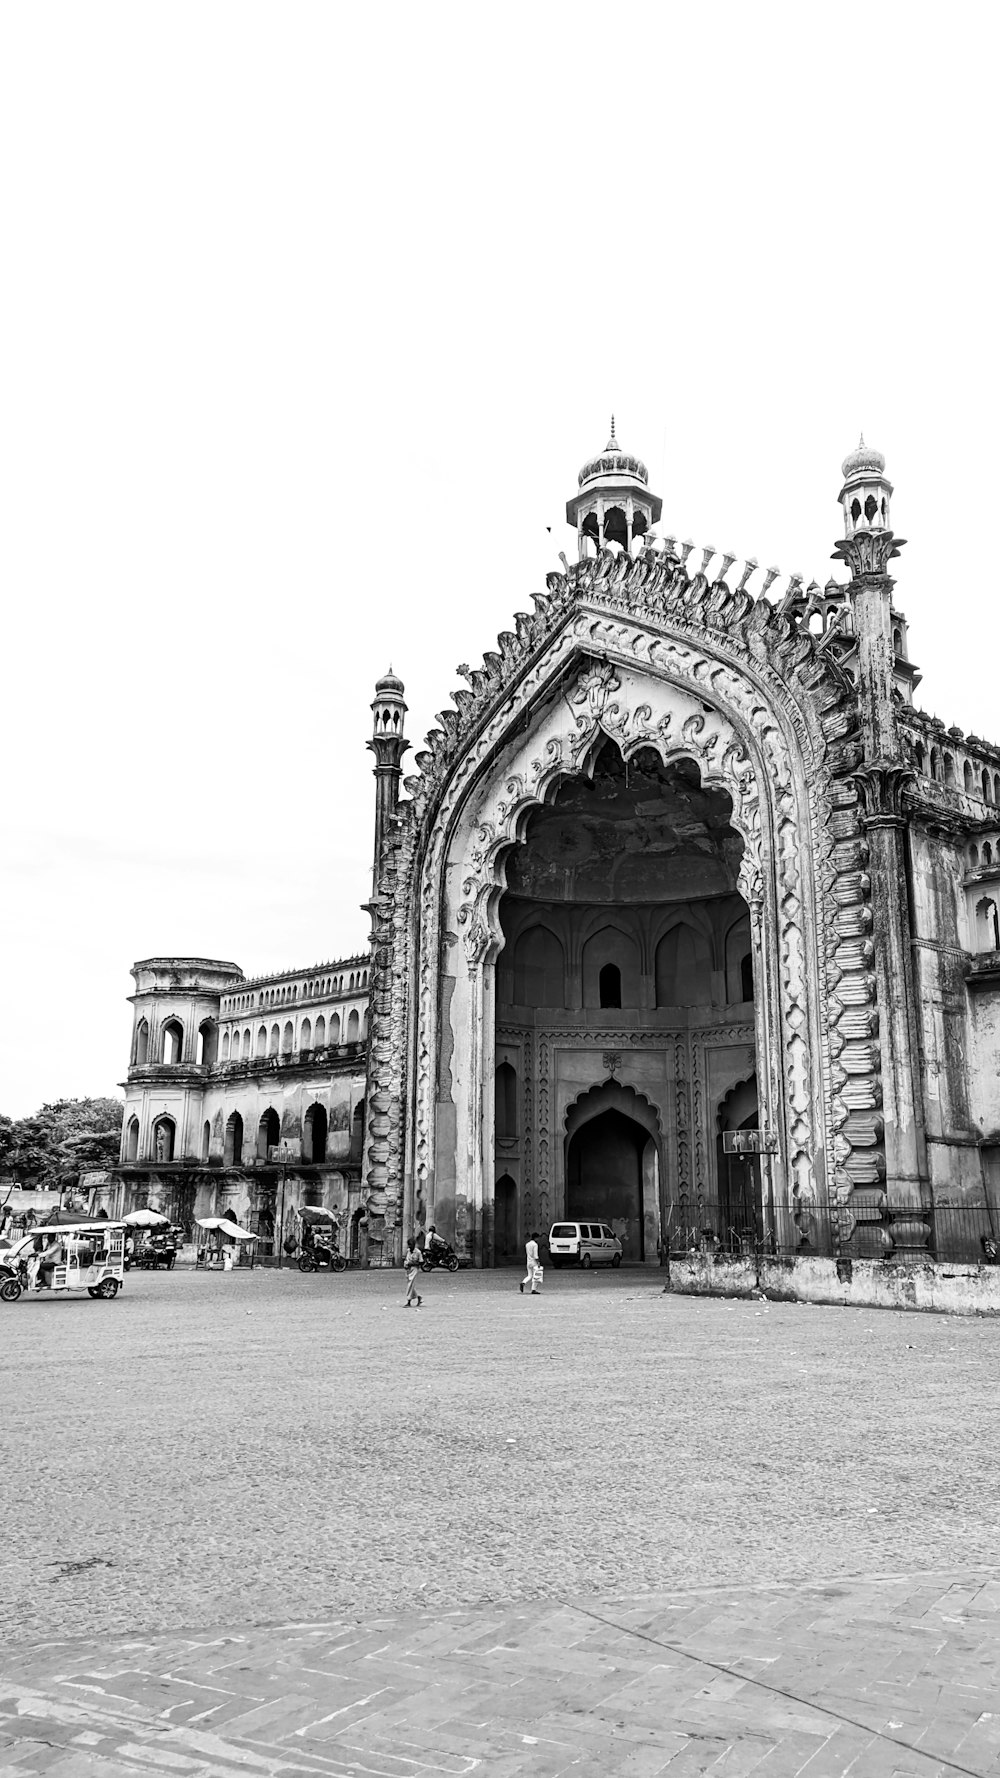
(314, 1128)
(164, 1139)
(233, 1150)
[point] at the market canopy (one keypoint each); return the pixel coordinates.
(224, 1227)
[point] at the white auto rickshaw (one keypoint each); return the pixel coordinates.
(58, 1257)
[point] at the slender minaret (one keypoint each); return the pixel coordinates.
(867, 547)
(388, 745)
(882, 780)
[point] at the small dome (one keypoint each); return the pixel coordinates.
(388, 682)
(863, 461)
(613, 461)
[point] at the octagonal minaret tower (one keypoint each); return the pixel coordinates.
(388, 744)
(613, 504)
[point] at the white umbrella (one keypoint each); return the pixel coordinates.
(146, 1219)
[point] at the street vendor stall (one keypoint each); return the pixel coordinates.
(213, 1253)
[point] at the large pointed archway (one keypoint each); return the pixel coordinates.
(627, 955)
(646, 656)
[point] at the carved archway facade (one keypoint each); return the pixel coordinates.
(647, 658)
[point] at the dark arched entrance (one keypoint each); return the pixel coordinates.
(504, 1221)
(741, 1207)
(604, 1177)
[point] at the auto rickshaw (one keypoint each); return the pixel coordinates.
(62, 1257)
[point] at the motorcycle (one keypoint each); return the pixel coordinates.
(442, 1258)
(322, 1259)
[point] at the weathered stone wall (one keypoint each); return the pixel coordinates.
(860, 1284)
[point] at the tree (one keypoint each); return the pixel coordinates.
(62, 1140)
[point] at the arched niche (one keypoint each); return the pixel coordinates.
(613, 1166)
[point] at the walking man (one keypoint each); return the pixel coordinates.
(534, 1275)
(411, 1266)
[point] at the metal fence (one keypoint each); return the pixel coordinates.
(962, 1234)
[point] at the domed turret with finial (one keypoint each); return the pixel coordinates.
(866, 491)
(613, 505)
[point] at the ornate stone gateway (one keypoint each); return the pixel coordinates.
(635, 653)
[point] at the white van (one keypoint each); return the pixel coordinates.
(584, 1243)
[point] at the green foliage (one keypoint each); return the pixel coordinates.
(60, 1141)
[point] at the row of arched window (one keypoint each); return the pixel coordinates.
(938, 763)
(169, 1044)
(533, 970)
(243, 1046)
(981, 858)
(347, 983)
(315, 1137)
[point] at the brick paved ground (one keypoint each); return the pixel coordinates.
(871, 1678)
(236, 1449)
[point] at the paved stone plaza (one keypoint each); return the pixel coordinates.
(482, 1563)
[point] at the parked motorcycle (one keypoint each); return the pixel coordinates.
(441, 1258)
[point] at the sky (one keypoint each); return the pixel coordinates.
(312, 312)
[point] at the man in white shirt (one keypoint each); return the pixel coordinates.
(534, 1274)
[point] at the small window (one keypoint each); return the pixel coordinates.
(610, 985)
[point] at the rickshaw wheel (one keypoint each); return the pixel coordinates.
(92, 1290)
(108, 1288)
(10, 1290)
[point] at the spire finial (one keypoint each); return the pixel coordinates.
(612, 429)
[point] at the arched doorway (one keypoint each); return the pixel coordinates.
(605, 1163)
(505, 1243)
(741, 1207)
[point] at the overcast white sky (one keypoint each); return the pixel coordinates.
(311, 313)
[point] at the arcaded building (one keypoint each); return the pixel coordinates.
(245, 1097)
(684, 860)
